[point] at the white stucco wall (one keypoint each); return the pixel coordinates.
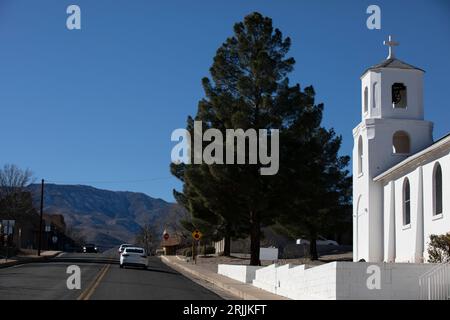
(298, 282)
(245, 274)
(406, 236)
(369, 196)
(413, 80)
(399, 281)
(436, 224)
(389, 222)
(342, 281)
(379, 84)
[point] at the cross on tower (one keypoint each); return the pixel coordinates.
(391, 43)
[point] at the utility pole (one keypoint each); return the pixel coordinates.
(193, 252)
(40, 221)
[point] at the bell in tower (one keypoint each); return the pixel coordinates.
(399, 96)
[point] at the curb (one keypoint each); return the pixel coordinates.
(239, 293)
(28, 260)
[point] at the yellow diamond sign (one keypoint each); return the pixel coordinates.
(196, 235)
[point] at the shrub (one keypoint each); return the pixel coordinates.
(439, 248)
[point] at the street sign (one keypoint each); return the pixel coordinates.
(197, 235)
(166, 236)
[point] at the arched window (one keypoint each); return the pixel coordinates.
(437, 189)
(406, 202)
(399, 96)
(400, 142)
(374, 95)
(360, 155)
(366, 99)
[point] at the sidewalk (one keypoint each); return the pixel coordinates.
(241, 290)
(22, 259)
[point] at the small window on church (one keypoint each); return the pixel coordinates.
(366, 99)
(406, 203)
(400, 143)
(437, 189)
(360, 155)
(374, 95)
(399, 95)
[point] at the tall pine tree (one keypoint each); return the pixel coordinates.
(249, 89)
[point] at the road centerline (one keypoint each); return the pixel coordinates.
(87, 293)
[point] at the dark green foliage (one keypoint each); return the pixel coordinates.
(249, 88)
(439, 248)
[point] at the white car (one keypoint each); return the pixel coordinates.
(321, 241)
(123, 246)
(134, 256)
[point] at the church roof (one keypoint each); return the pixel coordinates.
(392, 63)
(416, 158)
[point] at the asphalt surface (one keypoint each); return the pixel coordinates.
(101, 279)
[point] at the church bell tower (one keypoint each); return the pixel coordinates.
(392, 128)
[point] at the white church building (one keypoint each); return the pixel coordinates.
(401, 176)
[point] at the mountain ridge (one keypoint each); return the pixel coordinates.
(107, 217)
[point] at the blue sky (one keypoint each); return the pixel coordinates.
(98, 106)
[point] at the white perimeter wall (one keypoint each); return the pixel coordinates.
(342, 281)
(244, 274)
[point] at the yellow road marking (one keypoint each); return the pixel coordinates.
(86, 294)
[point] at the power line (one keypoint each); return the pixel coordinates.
(109, 181)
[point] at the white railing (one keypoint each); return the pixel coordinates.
(435, 283)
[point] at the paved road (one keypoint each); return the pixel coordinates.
(101, 279)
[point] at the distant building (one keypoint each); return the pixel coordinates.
(171, 243)
(54, 229)
(19, 222)
(19, 225)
